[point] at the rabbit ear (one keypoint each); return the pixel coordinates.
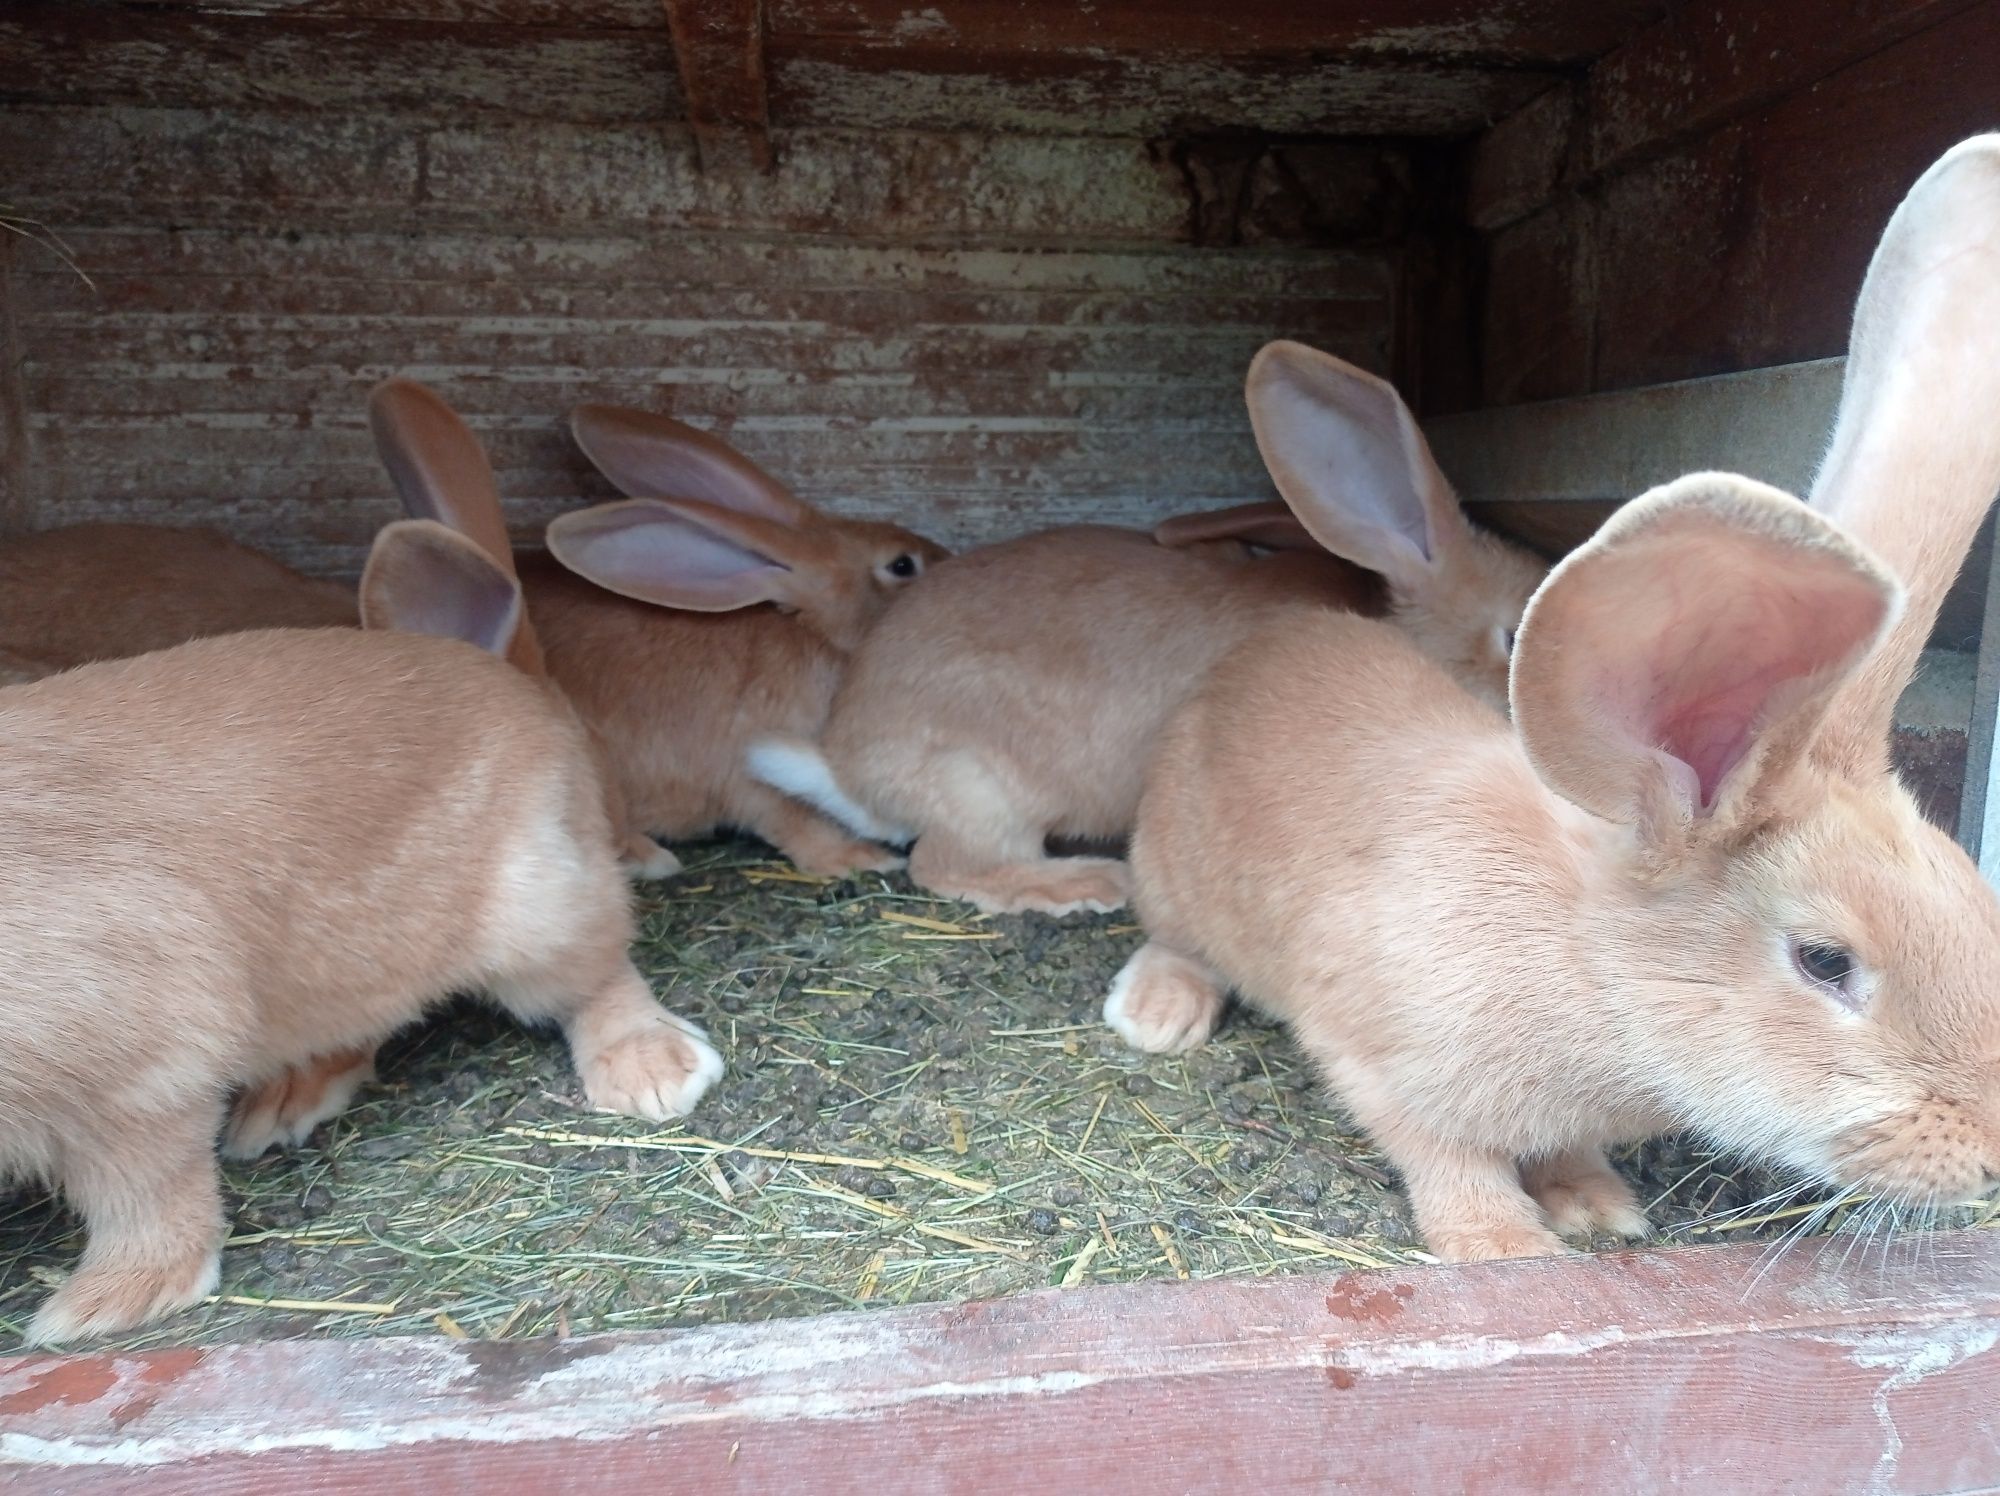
(1272, 526)
(437, 465)
(1678, 663)
(423, 578)
(656, 457)
(442, 474)
(1915, 458)
(681, 553)
(1346, 454)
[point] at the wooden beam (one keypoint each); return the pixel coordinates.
(1688, 1367)
(720, 44)
(1549, 473)
(1768, 423)
(1558, 464)
(1530, 35)
(17, 506)
(1737, 248)
(1696, 70)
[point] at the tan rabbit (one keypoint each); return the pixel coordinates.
(680, 625)
(1685, 889)
(319, 833)
(1014, 695)
(106, 591)
(668, 697)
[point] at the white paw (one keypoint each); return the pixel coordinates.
(657, 1073)
(1157, 1007)
(103, 1300)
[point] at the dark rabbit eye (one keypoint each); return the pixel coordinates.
(1507, 646)
(904, 565)
(1826, 965)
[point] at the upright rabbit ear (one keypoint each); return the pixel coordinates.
(442, 474)
(1673, 669)
(1272, 526)
(1915, 458)
(1346, 454)
(656, 457)
(681, 553)
(423, 578)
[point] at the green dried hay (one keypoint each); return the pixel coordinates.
(921, 1104)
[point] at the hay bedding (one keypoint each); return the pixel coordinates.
(921, 1104)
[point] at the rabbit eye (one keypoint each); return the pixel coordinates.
(1828, 966)
(904, 566)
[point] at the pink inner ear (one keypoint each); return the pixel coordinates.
(1711, 732)
(1743, 642)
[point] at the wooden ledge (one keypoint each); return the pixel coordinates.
(1630, 1371)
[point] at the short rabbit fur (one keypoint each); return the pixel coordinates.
(318, 834)
(1686, 890)
(714, 607)
(109, 591)
(1014, 695)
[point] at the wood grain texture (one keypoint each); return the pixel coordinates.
(1527, 33)
(218, 375)
(17, 503)
(1698, 68)
(720, 48)
(1635, 1371)
(1741, 247)
(1554, 469)
(1435, 68)
(1110, 94)
(608, 14)
(83, 166)
(61, 52)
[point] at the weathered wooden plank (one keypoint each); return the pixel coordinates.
(1771, 424)
(58, 52)
(1743, 247)
(1434, 71)
(642, 343)
(608, 14)
(1548, 32)
(170, 395)
(1698, 68)
(17, 472)
(1518, 165)
(232, 168)
(1638, 1371)
(217, 375)
(1174, 96)
(1705, 64)
(1594, 451)
(712, 260)
(719, 45)
(309, 300)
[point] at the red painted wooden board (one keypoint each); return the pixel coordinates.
(1624, 1372)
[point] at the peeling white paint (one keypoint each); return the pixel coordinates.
(609, 1412)
(1911, 1356)
(1468, 1352)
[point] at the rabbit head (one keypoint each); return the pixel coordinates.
(708, 530)
(1346, 454)
(1716, 673)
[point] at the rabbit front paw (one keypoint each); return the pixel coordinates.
(1582, 1196)
(1163, 1003)
(656, 1071)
